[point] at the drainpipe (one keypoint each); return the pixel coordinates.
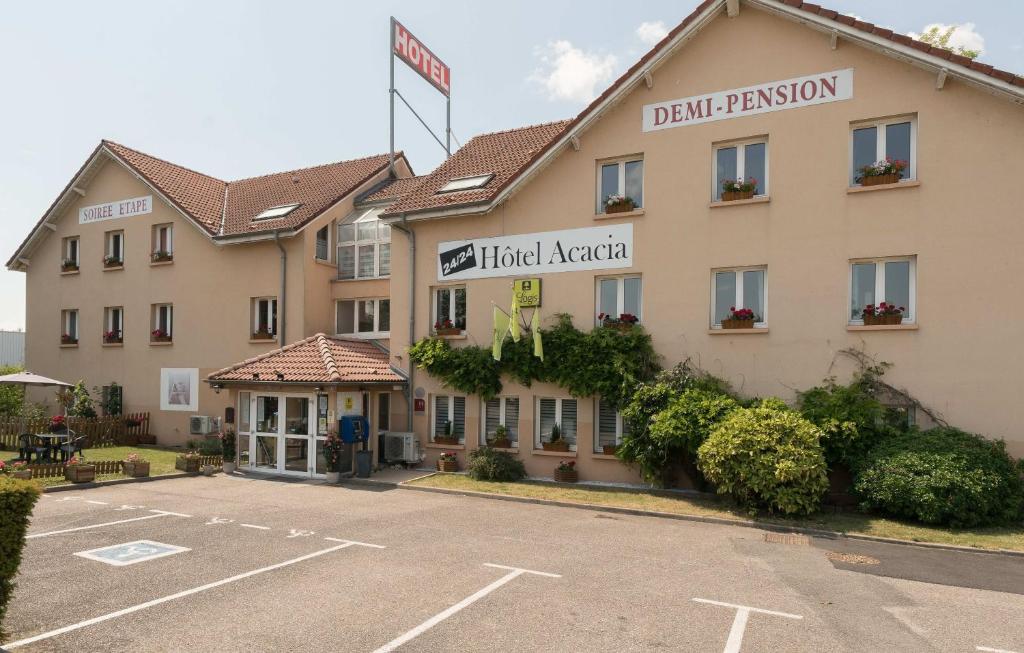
(281, 305)
(404, 227)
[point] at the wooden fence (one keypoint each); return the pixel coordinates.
(54, 470)
(109, 431)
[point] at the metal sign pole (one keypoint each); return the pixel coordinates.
(448, 126)
(391, 98)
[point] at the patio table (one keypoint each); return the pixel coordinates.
(57, 445)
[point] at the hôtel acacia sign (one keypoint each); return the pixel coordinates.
(761, 98)
(591, 248)
(115, 210)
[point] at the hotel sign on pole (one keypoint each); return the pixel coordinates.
(785, 94)
(419, 57)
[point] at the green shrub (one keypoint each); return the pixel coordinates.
(488, 464)
(16, 501)
(211, 447)
(10, 395)
(942, 476)
(766, 458)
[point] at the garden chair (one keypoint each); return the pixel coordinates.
(72, 446)
(26, 447)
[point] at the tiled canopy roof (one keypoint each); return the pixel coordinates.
(317, 359)
(392, 190)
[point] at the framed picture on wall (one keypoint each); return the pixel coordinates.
(179, 388)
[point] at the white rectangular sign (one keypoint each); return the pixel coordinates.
(591, 248)
(751, 100)
(115, 210)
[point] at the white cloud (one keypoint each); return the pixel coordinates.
(965, 36)
(569, 73)
(651, 33)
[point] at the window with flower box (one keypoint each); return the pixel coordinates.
(619, 300)
(874, 143)
(449, 310)
(449, 410)
(364, 246)
(113, 325)
(163, 243)
(161, 323)
(369, 318)
(611, 428)
(114, 256)
(70, 248)
(501, 412)
(891, 281)
(621, 178)
(553, 411)
(264, 318)
(744, 166)
(69, 326)
(737, 292)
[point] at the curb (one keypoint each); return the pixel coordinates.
(722, 521)
(116, 481)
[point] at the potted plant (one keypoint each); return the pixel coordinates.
(188, 462)
(738, 189)
(68, 339)
(742, 318)
(58, 424)
(624, 322)
(446, 327)
(79, 471)
(112, 337)
(262, 334)
(19, 470)
(884, 313)
(449, 436)
(556, 442)
(134, 466)
(609, 449)
(448, 461)
(500, 439)
(228, 443)
(619, 204)
(159, 335)
(887, 171)
(160, 256)
(208, 470)
(68, 265)
(333, 447)
(566, 472)
(110, 261)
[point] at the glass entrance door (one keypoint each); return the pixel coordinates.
(281, 439)
(298, 435)
(265, 428)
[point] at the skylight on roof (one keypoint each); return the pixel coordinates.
(277, 211)
(465, 183)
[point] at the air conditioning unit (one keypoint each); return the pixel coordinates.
(203, 424)
(401, 448)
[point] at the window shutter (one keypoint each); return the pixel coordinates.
(569, 420)
(492, 416)
(547, 419)
(512, 418)
(459, 418)
(440, 414)
(605, 424)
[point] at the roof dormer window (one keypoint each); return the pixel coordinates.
(466, 183)
(277, 212)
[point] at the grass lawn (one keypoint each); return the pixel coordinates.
(161, 461)
(985, 538)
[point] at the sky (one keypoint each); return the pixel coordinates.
(236, 89)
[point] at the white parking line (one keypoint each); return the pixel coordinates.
(739, 624)
(262, 528)
(469, 600)
(97, 503)
(372, 546)
(173, 597)
(992, 650)
(158, 513)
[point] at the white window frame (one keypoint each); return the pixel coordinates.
(65, 319)
(170, 318)
(598, 447)
(621, 162)
(67, 250)
(620, 298)
(538, 441)
(910, 315)
(741, 164)
(357, 243)
(450, 417)
(879, 125)
(111, 236)
(108, 320)
(316, 233)
(501, 418)
(738, 271)
(377, 333)
(472, 182)
(275, 212)
(451, 304)
(272, 316)
(169, 228)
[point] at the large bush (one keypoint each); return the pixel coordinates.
(10, 395)
(766, 458)
(488, 464)
(942, 476)
(16, 501)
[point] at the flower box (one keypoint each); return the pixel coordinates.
(22, 474)
(69, 267)
(878, 180)
(737, 324)
(610, 449)
(159, 338)
(113, 340)
(112, 263)
(621, 207)
(447, 465)
(80, 473)
(188, 464)
(137, 469)
(162, 257)
(733, 195)
(68, 340)
(563, 475)
(446, 441)
(450, 331)
(879, 320)
(503, 443)
(560, 445)
(262, 335)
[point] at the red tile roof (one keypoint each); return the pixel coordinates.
(317, 359)
(391, 190)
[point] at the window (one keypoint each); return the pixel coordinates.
(163, 323)
(243, 413)
(163, 243)
(264, 318)
(277, 212)
(741, 161)
(465, 183)
(889, 280)
(501, 411)
(113, 324)
(364, 246)
(556, 411)
(70, 260)
(323, 243)
(610, 427)
(69, 326)
(625, 177)
(115, 249)
(895, 138)
(364, 317)
(383, 412)
(450, 307)
(449, 409)
(618, 295)
(739, 288)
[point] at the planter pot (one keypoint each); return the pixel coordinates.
(333, 478)
(737, 324)
(618, 326)
(447, 465)
(878, 180)
(625, 207)
(208, 470)
(136, 470)
(113, 264)
(447, 441)
(566, 475)
(69, 341)
(561, 445)
(113, 341)
(878, 320)
(610, 449)
(504, 443)
(80, 473)
(448, 332)
(159, 338)
(22, 474)
(733, 195)
(229, 468)
(69, 268)
(190, 465)
(162, 259)
(262, 335)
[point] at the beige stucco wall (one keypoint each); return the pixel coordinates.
(964, 230)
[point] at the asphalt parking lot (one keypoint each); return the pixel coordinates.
(234, 564)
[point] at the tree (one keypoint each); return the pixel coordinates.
(935, 37)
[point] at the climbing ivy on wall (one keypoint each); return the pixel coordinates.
(603, 361)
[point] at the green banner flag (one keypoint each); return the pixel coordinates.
(514, 315)
(538, 344)
(501, 323)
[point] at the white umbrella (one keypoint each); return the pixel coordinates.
(25, 379)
